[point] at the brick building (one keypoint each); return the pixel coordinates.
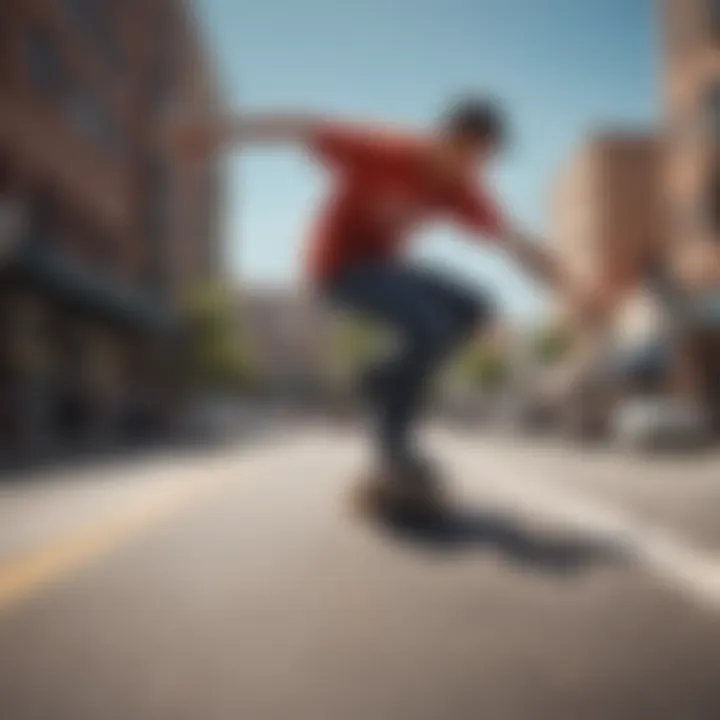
(692, 84)
(290, 338)
(610, 231)
(664, 210)
(691, 54)
(114, 228)
(607, 210)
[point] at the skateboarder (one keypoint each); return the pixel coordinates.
(385, 185)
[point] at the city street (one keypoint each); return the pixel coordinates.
(235, 584)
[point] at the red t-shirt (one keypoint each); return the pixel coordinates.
(383, 190)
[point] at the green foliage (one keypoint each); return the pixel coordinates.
(218, 358)
(552, 343)
(355, 342)
(485, 367)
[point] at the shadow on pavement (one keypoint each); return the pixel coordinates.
(532, 548)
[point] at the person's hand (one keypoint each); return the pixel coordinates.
(589, 307)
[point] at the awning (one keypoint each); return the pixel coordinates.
(56, 273)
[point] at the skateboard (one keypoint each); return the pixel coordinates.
(380, 497)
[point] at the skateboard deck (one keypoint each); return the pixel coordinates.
(374, 498)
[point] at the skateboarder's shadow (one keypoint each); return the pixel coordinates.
(531, 547)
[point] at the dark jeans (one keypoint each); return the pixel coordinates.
(431, 315)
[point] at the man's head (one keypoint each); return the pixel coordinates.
(472, 132)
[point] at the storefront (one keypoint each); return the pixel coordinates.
(81, 358)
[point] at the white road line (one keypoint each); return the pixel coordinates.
(664, 554)
(179, 487)
(530, 488)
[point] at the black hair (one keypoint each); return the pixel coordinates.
(478, 119)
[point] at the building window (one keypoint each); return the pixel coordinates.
(712, 14)
(211, 206)
(156, 224)
(44, 62)
(48, 74)
(162, 87)
(712, 113)
(712, 202)
(95, 21)
(162, 72)
(44, 214)
(5, 174)
(685, 129)
(92, 119)
(103, 249)
(688, 218)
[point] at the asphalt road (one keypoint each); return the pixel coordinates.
(236, 585)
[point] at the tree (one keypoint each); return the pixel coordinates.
(552, 343)
(219, 360)
(354, 343)
(484, 366)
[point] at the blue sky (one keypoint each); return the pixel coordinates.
(561, 67)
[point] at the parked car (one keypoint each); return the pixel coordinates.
(660, 423)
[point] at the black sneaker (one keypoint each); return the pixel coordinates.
(413, 486)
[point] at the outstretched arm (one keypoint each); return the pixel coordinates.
(588, 306)
(476, 211)
(533, 257)
(204, 135)
(334, 143)
(257, 129)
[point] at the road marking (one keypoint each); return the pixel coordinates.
(193, 481)
(663, 554)
(27, 575)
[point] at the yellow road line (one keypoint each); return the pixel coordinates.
(27, 575)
